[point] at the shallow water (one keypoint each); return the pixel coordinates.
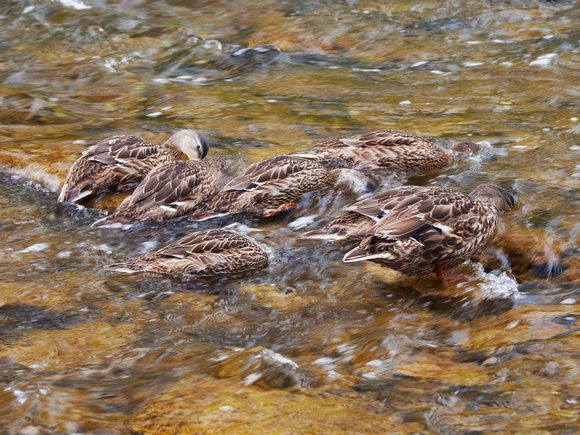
(310, 344)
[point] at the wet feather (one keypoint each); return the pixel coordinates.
(385, 148)
(267, 186)
(367, 211)
(121, 161)
(437, 228)
(169, 191)
(203, 253)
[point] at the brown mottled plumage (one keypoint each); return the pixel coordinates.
(169, 191)
(268, 187)
(386, 148)
(432, 231)
(203, 253)
(367, 211)
(125, 160)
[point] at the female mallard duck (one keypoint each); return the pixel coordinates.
(120, 161)
(269, 186)
(203, 253)
(169, 191)
(428, 232)
(387, 148)
(367, 211)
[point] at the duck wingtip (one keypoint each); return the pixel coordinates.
(72, 195)
(323, 234)
(122, 267)
(356, 254)
(107, 222)
(202, 215)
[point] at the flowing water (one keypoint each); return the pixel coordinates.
(309, 345)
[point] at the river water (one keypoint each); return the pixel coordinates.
(309, 345)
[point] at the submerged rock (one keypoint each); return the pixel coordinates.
(92, 343)
(261, 367)
(201, 405)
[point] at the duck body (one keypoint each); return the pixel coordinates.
(169, 191)
(268, 187)
(122, 161)
(365, 212)
(436, 229)
(385, 148)
(202, 253)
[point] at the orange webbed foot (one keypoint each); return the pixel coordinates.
(284, 207)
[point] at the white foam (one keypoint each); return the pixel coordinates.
(104, 247)
(492, 285)
(241, 229)
(278, 358)
(36, 174)
(38, 247)
(544, 61)
(75, 4)
(302, 222)
(327, 363)
(472, 64)
(354, 180)
(250, 379)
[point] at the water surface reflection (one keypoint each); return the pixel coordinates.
(335, 347)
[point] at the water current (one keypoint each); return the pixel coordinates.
(310, 344)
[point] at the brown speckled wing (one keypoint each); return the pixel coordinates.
(400, 197)
(270, 183)
(111, 163)
(439, 231)
(169, 191)
(424, 207)
(275, 168)
(386, 148)
(117, 148)
(361, 215)
(385, 138)
(202, 253)
(175, 182)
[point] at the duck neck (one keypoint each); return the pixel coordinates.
(176, 153)
(218, 162)
(171, 145)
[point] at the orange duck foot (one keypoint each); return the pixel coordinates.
(447, 280)
(284, 207)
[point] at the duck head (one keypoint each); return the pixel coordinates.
(192, 143)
